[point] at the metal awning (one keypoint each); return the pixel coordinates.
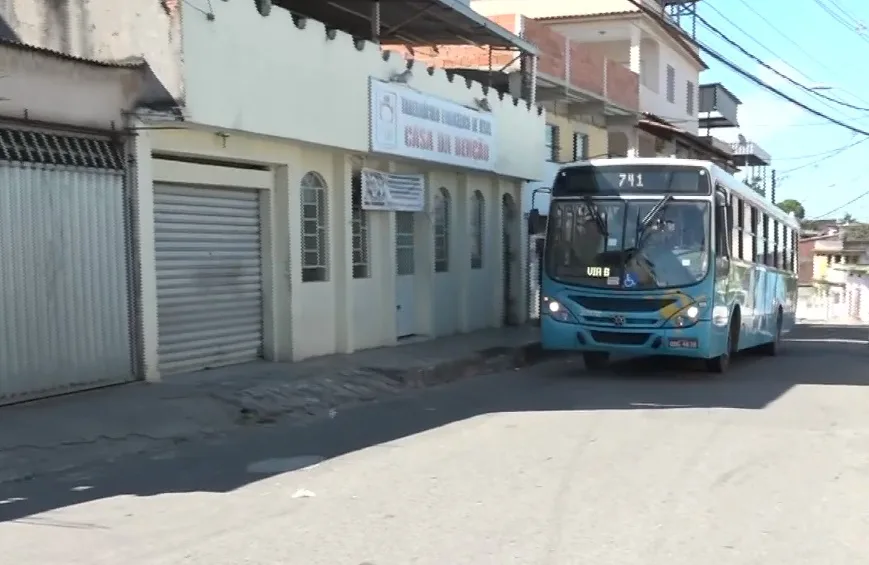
(417, 23)
(750, 154)
(661, 128)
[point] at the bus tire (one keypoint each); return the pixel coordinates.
(774, 347)
(595, 360)
(721, 363)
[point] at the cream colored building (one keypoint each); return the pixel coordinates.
(252, 243)
(251, 233)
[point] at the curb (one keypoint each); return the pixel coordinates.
(488, 361)
(483, 362)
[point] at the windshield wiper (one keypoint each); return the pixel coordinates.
(656, 209)
(643, 233)
(595, 214)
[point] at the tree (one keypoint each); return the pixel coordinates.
(847, 219)
(791, 205)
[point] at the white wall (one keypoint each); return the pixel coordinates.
(657, 103)
(265, 75)
(104, 30)
(42, 87)
(306, 319)
(611, 37)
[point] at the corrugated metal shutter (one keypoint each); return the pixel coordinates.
(209, 276)
(65, 320)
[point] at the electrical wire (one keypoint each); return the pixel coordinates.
(837, 208)
(763, 64)
(829, 152)
(752, 38)
(809, 55)
(827, 157)
(680, 120)
(843, 20)
(742, 72)
(858, 23)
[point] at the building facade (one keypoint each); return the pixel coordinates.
(301, 191)
(834, 277)
(648, 40)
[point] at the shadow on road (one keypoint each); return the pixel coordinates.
(813, 355)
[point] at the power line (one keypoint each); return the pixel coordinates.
(810, 56)
(829, 152)
(759, 82)
(742, 72)
(752, 38)
(836, 209)
(732, 66)
(843, 20)
(776, 71)
(830, 155)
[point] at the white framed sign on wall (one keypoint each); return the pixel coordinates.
(408, 123)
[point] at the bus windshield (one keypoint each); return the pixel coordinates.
(628, 244)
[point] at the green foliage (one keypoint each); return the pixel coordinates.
(795, 206)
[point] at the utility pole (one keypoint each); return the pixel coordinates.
(772, 187)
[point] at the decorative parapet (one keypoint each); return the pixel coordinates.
(310, 84)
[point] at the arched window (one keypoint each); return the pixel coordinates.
(478, 219)
(442, 207)
(315, 234)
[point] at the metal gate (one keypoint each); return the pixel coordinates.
(209, 276)
(65, 321)
(535, 275)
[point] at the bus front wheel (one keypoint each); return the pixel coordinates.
(595, 360)
(721, 363)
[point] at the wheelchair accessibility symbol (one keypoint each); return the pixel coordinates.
(630, 281)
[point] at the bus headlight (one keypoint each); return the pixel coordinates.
(686, 317)
(556, 310)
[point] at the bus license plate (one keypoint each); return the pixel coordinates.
(682, 343)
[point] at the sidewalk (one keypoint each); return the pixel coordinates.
(831, 322)
(72, 431)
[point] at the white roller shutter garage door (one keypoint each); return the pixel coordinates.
(209, 276)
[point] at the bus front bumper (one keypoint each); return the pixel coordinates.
(702, 340)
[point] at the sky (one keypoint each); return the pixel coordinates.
(802, 41)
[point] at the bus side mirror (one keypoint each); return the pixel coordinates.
(536, 223)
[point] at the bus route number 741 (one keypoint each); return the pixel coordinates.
(631, 179)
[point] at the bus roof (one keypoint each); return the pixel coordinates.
(734, 185)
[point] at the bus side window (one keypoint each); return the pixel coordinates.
(722, 233)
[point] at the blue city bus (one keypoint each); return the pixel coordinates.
(664, 256)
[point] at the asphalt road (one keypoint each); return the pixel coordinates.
(649, 464)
